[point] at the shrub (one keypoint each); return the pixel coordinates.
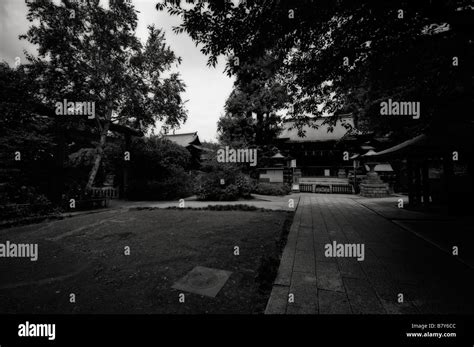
(24, 202)
(272, 189)
(223, 183)
(245, 185)
(177, 185)
(159, 170)
(231, 192)
(236, 207)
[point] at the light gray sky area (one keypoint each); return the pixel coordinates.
(206, 88)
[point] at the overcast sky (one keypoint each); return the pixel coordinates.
(206, 88)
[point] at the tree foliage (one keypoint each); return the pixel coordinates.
(24, 122)
(159, 170)
(258, 91)
(90, 54)
(27, 145)
(348, 55)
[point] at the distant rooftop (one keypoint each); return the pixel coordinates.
(344, 126)
(185, 140)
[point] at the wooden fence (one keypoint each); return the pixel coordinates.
(326, 188)
(105, 192)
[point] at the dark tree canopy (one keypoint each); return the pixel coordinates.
(27, 145)
(24, 123)
(258, 91)
(348, 55)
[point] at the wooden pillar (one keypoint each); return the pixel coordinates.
(411, 188)
(447, 173)
(425, 182)
(418, 182)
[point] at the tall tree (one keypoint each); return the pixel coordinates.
(236, 130)
(91, 54)
(260, 91)
(27, 145)
(24, 121)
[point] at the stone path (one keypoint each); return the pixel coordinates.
(397, 263)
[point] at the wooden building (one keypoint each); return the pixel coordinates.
(191, 142)
(322, 157)
(320, 153)
(438, 165)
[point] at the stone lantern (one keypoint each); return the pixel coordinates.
(372, 186)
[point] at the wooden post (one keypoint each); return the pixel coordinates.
(411, 188)
(447, 173)
(425, 182)
(355, 176)
(417, 182)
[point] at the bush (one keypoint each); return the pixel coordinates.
(245, 185)
(22, 202)
(177, 185)
(236, 207)
(224, 183)
(272, 189)
(159, 170)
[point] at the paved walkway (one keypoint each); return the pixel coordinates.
(396, 262)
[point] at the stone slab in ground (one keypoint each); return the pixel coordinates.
(203, 281)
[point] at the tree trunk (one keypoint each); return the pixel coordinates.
(99, 153)
(259, 137)
(58, 176)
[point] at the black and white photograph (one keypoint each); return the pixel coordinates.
(218, 163)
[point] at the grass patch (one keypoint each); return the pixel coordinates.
(269, 263)
(165, 244)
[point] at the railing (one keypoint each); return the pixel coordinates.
(306, 188)
(322, 188)
(105, 192)
(342, 189)
(315, 171)
(326, 188)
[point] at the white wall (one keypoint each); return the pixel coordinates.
(275, 176)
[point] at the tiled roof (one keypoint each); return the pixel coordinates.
(384, 167)
(320, 134)
(401, 146)
(184, 139)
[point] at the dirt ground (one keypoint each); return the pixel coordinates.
(85, 256)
